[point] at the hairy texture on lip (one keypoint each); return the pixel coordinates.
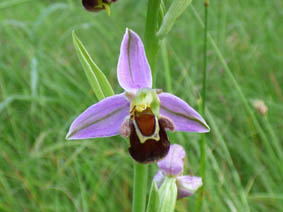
(151, 150)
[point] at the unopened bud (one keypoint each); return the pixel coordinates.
(260, 107)
(206, 3)
(168, 195)
(97, 5)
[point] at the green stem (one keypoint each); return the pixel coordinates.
(140, 187)
(151, 49)
(203, 95)
(151, 41)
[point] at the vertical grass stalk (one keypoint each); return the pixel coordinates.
(151, 49)
(237, 87)
(203, 97)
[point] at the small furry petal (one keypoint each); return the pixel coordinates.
(167, 123)
(125, 129)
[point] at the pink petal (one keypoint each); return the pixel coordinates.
(187, 185)
(102, 119)
(133, 68)
(184, 117)
(173, 163)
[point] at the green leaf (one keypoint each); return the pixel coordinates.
(95, 76)
(168, 195)
(176, 9)
(154, 199)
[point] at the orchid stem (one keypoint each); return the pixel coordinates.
(151, 41)
(151, 49)
(203, 95)
(140, 187)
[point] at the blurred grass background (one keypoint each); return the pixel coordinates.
(43, 88)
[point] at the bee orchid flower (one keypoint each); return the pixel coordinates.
(141, 113)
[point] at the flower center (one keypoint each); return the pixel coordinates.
(145, 99)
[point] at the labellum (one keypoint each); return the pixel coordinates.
(148, 138)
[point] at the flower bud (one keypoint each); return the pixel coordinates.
(260, 107)
(97, 5)
(168, 195)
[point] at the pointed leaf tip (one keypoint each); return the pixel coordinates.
(176, 9)
(95, 76)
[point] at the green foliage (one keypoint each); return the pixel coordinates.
(43, 88)
(176, 9)
(95, 76)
